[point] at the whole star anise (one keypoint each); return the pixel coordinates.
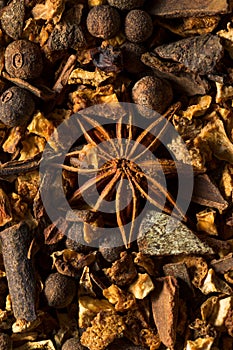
(120, 161)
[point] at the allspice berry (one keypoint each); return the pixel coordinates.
(16, 106)
(138, 26)
(153, 93)
(23, 59)
(126, 4)
(103, 21)
(59, 290)
(5, 342)
(72, 344)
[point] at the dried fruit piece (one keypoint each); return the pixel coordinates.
(197, 268)
(202, 329)
(16, 106)
(199, 344)
(142, 286)
(208, 139)
(51, 10)
(103, 21)
(106, 326)
(215, 310)
(12, 19)
(121, 299)
(205, 221)
(59, 290)
(89, 307)
(123, 271)
(126, 4)
(213, 284)
(138, 26)
(152, 92)
(23, 59)
(165, 302)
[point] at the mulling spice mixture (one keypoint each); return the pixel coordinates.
(63, 285)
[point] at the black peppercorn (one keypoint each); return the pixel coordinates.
(72, 344)
(138, 26)
(23, 59)
(126, 4)
(16, 106)
(59, 290)
(103, 21)
(5, 342)
(152, 92)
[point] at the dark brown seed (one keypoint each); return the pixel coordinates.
(103, 21)
(138, 26)
(73, 344)
(23, 59)
(152, 92)
(126, 4)
(5, 342)
(16, 106)
(59, 290)
(12, 19)
(15, 242)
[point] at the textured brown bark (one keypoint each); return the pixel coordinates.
(186, 8)
(15, 242)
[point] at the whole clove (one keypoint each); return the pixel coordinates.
(15, 242)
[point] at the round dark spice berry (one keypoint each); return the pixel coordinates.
(138, 26)
(16, 106)
(103, 21)
(5, 342)
(126, 4)
(23, 59)
(72, 344)
(59, 290)
(152, 92)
